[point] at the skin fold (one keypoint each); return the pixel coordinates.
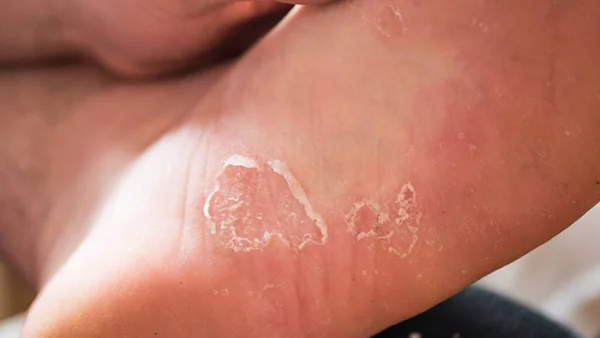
(133, 38)
(488, 112)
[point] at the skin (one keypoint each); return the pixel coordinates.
(488, 110)
(133, 38)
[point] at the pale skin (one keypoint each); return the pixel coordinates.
(489, 110)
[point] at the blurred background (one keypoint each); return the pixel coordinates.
(560, 279)
(15, 297)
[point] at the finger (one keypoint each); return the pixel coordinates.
(192, 32)
(159, 37)
(29, 31)
(161, 44)
(305, 2)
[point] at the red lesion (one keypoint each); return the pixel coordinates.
(365, 219)
(234, 208)
(407, 196)
(293, 222)
(393, 223)
(384, 229)
(253, 203)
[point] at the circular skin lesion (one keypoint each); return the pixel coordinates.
(394, 224)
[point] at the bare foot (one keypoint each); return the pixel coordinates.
(362, 163)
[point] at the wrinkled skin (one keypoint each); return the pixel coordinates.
(490, 110)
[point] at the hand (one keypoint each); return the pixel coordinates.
(130, 37)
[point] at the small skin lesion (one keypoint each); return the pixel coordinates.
(394, 224)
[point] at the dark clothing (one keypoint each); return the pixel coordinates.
(477, 313)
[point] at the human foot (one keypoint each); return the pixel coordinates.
(457, 122)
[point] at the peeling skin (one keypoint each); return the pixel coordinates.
(396, 11)
(241, 161)
(394, 224)
(480, 25)
(296, 189)
(253, 204)
(373, 21)
(398, 14)
(268, 287)
(386, 19)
